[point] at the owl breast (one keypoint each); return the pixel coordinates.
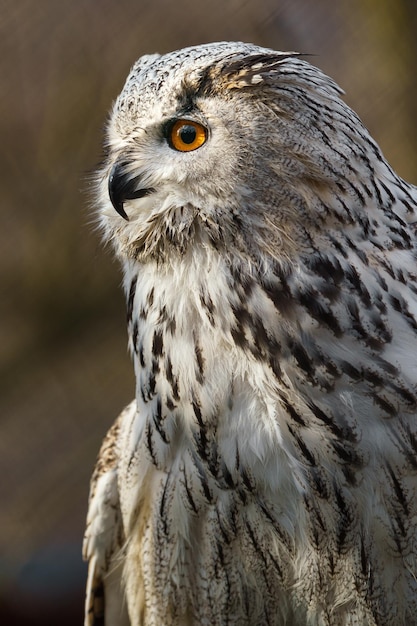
(203, 459)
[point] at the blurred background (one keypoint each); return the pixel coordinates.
(64, 368)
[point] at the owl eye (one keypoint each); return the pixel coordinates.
(185, 135)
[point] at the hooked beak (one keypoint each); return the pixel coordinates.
(123, 186)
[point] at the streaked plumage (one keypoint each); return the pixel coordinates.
(266, 472)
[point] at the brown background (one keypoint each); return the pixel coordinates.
(64, 370)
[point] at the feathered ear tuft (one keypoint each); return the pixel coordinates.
(252, 70)
(240, 72)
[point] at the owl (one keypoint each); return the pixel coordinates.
(266, 472)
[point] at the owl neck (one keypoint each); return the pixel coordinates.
(173, 309)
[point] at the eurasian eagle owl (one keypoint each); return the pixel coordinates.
(265, 473)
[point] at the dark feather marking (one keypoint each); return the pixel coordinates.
(404, 187)
(225, 534)
(388, 268)
(213, 458)
(373, 377)
(162, 513)
(385, 405)
(302, 358)
(247, 481)
(310, 299)
(338, 246)
(141, 356)
(401, 238)
(239, 336)
(353, 309)
(351, 371)
(401, 306)
(367, 189)
(410, 207)
(221, 554)
(381, 281)
(381, 327)
(400, 276)
(350, 475)
(151, 385)
(173, 381)
(170, 404)
(380, 304)
(340, 433)
(388, 192)
(328, 267)
(388, 367)
(276, 565)
(241, 314)
(408, 397)
(197, 412)
(243, 496)
(158, 419)
(353, 188)
(278, 529)
(200, 361)
(208, 306)
(200, 439)
(398, 489)
(135, 338)
(158, 343)
(203, 478)
(274, 364)
(317, 523)
(132, 292)
(356, 282)
(280, 295)
(168, 320)
(319, 484)
(227, 477)
(189, 493)
(347, 454)
(96, 610)
(292, 412)
(260, 336)
(345, 519)
(307, 454)
(359, 253)
(155, 367)
(150, 445)
(150, 298)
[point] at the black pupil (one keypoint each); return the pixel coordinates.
(187, 134)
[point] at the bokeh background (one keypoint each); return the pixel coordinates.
(64, 368)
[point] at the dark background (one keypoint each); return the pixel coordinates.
(64, 369)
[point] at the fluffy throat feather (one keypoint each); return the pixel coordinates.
(168, 234)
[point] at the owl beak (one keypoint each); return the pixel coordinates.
(122, 187)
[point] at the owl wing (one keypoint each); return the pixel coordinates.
(104, 536)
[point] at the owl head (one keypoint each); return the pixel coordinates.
(228, 146)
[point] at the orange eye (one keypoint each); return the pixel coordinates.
(185, 135)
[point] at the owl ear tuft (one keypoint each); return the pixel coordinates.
(253, 70)
(238, 72)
